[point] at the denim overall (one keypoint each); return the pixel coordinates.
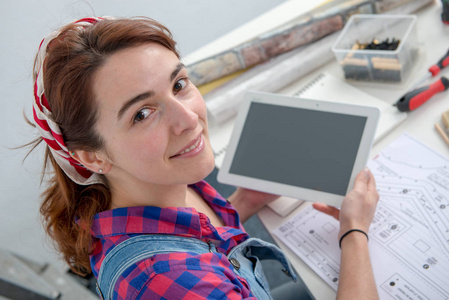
(245, 258)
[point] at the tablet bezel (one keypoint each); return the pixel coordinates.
(372, 115)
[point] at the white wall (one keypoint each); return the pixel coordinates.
(23, 24)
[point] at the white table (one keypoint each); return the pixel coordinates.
(433, 35)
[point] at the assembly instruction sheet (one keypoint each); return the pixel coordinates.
(409, 236)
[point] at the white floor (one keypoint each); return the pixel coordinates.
(23, 24)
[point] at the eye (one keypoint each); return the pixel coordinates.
(142, 115)
(179, 85)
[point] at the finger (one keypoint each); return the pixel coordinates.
(327, 209)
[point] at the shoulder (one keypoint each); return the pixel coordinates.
(181, 275)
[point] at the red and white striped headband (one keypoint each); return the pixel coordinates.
(49, 129)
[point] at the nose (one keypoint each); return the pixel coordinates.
(183, 117)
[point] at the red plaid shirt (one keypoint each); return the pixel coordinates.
(176, 275)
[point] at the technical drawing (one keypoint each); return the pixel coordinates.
(409, 235)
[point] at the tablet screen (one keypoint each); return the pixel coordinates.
(299, 147)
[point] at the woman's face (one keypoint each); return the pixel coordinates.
(152, 119)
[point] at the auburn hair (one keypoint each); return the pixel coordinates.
(71, 61)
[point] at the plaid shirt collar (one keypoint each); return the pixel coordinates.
(183, 221)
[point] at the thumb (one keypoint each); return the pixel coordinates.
(362, 180)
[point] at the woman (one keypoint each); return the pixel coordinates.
(128, 141)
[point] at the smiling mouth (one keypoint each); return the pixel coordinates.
(187, 150)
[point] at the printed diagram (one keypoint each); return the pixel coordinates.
(409, 236)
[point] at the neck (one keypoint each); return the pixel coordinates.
(133, 193)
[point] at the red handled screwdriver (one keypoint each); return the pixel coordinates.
(416, 98)
(433, 70)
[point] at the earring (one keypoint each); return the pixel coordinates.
(100, 171)
(73, 153)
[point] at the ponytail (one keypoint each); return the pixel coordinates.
(67, 211)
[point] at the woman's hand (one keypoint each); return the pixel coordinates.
(255, 197)
(248, 202)
(359, 205)
(357, 212)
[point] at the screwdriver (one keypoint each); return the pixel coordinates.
(433, 70)
(416, 98)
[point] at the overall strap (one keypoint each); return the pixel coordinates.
(138, 248)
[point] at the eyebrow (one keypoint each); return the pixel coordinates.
(175, 72)
(147, 94)
(132, 101)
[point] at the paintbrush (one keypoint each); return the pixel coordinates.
(444, 131)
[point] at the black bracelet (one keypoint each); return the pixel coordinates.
(352, 230)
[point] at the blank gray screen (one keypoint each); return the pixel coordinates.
(299, 147)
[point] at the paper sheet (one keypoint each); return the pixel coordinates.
(409, 236)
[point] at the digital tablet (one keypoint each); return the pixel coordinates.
(301, 148)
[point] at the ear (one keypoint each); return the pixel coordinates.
(95, 161)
